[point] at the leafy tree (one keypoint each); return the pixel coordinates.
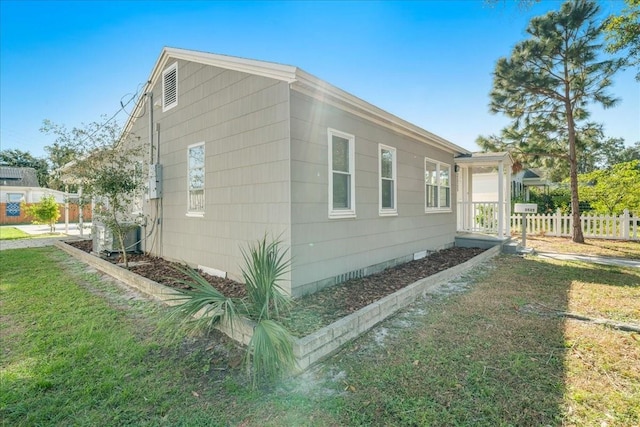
(47, 211)
(549, 81)
(626, 154)
(613, 190)
(60, 152)
(602, 153)
(24, 159)
(106, 167)
(623, 32)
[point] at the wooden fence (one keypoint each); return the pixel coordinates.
(622, 227)
(15, 214)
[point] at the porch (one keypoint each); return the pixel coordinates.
(486, 222)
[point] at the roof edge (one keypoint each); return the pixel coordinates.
(298, 80)
(314, 86)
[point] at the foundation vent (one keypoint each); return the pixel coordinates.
(356, 274)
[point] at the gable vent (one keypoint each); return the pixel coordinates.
(170, 87)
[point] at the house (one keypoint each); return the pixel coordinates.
(17, 185)
(20, 184)
(485, 184)
(238, 148)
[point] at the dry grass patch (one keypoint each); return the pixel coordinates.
(478, 358)
(603, 376)
(600, 247)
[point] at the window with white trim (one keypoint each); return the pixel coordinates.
(342, 202)
(437, 178)
(388, 182)
(195, 179)
(170, 87)
(15, 197)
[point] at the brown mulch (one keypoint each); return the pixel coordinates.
(358, 293)
(351, 295)
(166, 272)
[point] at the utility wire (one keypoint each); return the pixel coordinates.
(135, 96)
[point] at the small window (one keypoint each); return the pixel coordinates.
(15, 197)
(387, 176)
(341, 175)
(196, 176)
(437, 178)
(170, 87)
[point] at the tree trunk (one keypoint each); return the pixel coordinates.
(576, 232)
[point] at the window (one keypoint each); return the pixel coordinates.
(341, 175)
(437, 185)
(195, 177)
(15, 197)
(387, 174)
(170, 87)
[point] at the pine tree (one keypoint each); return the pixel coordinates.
(548, 83)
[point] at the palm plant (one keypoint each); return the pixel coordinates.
(270, 351)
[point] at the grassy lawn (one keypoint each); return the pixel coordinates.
(78, 349)
(600, 247)
(13, 233)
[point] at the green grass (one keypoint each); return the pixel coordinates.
(12, 233)
(79, 350)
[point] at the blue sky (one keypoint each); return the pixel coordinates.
(428, 62)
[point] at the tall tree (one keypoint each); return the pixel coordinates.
(623, 32)
(554, 159)
(612, 151)
(24, 159)
(550, 80)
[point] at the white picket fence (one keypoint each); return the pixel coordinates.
(622, 227)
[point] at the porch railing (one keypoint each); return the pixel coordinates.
(478, 217)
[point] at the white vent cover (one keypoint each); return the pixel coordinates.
(170, 87)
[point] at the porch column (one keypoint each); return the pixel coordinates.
(80, 209)
(501, 198)
(469, 205)
(507, 205)
(66, 210)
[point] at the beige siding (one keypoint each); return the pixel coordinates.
(243, 121)
(324, 247)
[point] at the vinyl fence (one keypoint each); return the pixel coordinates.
(622, 227)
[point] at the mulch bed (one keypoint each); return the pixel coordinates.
(165, 272)
(345, 298)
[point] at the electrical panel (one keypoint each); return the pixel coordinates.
(155, 181)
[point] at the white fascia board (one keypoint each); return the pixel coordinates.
(485, 159)
(302, 82)
(319, 89)
(286, 73)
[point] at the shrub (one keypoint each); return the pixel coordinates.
(269, 353)
(45, 212)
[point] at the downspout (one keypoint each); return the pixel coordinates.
(150, 107)
(150, 104)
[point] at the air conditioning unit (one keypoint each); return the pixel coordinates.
(104, 241)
